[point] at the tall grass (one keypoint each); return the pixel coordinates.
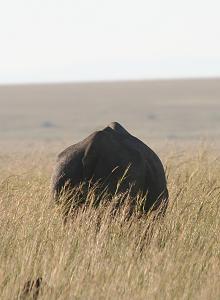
(98, 255)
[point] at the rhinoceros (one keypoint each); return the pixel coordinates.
(108, 157)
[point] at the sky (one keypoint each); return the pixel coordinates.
(90, 40)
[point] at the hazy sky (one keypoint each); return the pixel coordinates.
(60, 40)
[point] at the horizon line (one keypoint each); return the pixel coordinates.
(109, 81)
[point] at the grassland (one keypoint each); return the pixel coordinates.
(97, 256)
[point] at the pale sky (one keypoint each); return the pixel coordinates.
(75, 40)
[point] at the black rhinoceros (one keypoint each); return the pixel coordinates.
(107, 156)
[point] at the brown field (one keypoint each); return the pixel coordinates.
(96, 256)
(180, 109)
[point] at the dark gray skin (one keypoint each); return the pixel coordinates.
(104, 157)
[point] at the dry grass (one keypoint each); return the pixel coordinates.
(97, 256)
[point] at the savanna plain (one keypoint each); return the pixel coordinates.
(97, 254)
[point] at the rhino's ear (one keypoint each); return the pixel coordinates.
(118, 128)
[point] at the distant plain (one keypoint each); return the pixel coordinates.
(167, 109)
